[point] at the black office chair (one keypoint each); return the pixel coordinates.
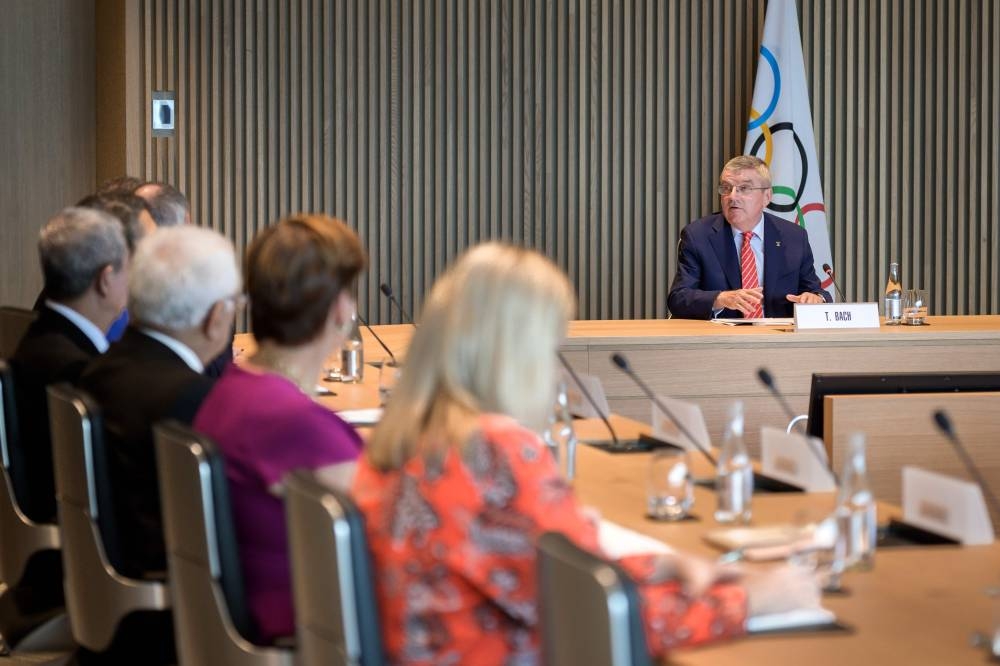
(212, 618)
(14, 322)
(21, 539)
(335, 608)
(98, 598)
(589, 608)
(28, 549)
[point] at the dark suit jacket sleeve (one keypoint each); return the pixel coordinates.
(686, 298)
(808, 280)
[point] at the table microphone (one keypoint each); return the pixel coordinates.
(767, 380)
(615, 442)
(943, 423)
(829, 271)
(385, 289)
(378, 339)
(622, 363)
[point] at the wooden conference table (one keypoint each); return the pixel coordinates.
(712, 364)
(919, 605)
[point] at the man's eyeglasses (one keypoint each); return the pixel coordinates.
(727, 188)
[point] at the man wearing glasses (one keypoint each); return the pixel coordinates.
(743, 262)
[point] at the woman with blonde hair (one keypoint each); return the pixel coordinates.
(456, 485)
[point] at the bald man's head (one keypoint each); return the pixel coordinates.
(169, 207)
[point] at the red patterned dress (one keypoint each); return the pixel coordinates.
(453, 541)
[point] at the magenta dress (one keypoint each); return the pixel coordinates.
(266, 427)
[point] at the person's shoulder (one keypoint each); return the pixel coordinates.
(786, 227)
(282, 403)
(505, 434)
(500, 427)
(705, 225)
(53, 356)
(307, 414)
(53, 329)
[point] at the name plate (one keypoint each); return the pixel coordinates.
(822, 316)
(945, 505)
(689, 414)
(786, 456)
(577, 402)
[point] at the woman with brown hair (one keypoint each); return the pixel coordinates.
(300, 279)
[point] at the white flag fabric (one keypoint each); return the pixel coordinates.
(780, 132)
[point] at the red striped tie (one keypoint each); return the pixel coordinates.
(748, 269)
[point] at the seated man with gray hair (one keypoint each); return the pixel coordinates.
(84, 260)
(182, 296)
(743, 262)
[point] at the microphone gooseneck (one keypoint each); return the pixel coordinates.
(590, 398)
(623, 364)
(387, 292)
(767, 380)
(943, 422)
(829, 271)
(378, 339)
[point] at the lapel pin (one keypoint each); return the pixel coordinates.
(777, 243)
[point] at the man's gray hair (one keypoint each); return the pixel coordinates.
(167, 205)
(744, 162)
(178, 274)
(74, 246)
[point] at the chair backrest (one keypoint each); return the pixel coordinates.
(98, 597)
(10, 434)
(589, 608)
(336, 612)
(20, 537)
(14, 322)
(212, 619)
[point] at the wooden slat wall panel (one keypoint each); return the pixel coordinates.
(47, 128)
(592, 130)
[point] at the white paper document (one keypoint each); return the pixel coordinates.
(807, 617)
(362, 417)
(759, 321)
(617, 541)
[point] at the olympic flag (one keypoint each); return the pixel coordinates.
(780, 131)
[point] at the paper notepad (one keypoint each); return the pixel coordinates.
(734, 538)
(774, 542)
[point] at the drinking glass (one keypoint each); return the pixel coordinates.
(824, 555)
(915, 304)
(388, 376)
(669, 489)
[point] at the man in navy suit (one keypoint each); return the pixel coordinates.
(710, 280)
